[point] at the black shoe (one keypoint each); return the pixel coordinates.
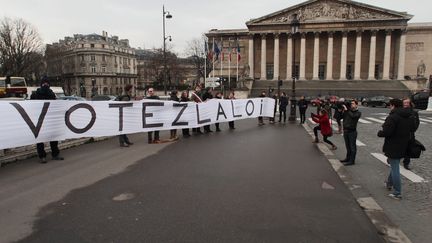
(124, 145)
(232, 128)
(57, 158)
(406, 167)
(344, 160)
(43, 160)
(129, 143)
(186, 135)
(218, 130)
(348, 163)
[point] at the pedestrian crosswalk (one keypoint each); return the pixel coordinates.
(377, 120)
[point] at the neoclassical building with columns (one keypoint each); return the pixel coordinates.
(337, 40)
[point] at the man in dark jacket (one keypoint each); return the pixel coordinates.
(207, 96)
(174, 97)
(350, 120)
(260, 118)
(396, 131)
(152, 96)
(302, 104)
(283, 103)
(185, 98)
(45, 93)
(123, 138)
(409, 105)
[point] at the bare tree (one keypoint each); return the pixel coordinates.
(20, 48)
(197, 52)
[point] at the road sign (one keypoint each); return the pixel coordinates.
(212, 83)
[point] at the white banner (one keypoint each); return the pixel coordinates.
(30, 122)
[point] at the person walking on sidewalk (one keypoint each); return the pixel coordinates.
(260, 118)
(324, 126)
(156, 139)
(302, 104)
(123, 138)
(185, 98)
(283, 103)
(409, 105)
(46, 93)
(396, 131)
(350, 118)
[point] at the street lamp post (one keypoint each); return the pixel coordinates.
(294, 29)
(165, 14)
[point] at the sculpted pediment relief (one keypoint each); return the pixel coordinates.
(327, 11)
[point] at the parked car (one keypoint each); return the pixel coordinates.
(375, 101)
(420, 100)
(103, 98)
(75, 98)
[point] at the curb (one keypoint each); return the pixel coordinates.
(30, 151)
(385, 227)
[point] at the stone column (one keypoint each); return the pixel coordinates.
(401, 66)
(316, 57)
(330, 56)
(386, 69)
(372, 55)
(303, 57)
(289, 57)
(251, 57)
(263, 57)
(357, 66)
(276, 57)
(343, 56)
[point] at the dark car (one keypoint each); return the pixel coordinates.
(103, 98)
(76, 98)
(420, 100)
(375, 101)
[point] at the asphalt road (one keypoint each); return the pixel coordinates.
(254, 184)
(413, 214)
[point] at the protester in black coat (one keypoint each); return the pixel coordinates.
(123, 138)
(350, 116)
(156, 139)
(45, 93)
(397, 131)
(207, 96)
(260, 118)
(174, 97)
(218, 95)
(283, 103)
(185, 98)
(409, 105)
(338, 113)
(303, 105)
(272, 119)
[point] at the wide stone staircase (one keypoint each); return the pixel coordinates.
(347, 88)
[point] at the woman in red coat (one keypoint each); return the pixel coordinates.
(324, 125)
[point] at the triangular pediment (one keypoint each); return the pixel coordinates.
(330, 11)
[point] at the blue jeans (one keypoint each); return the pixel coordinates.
(394, 179)
(350, 138)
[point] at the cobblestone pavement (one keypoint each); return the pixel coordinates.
(414, 213)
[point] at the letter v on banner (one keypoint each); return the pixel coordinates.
(35, 129)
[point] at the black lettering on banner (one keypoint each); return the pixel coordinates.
(74, 108)
(35, 129)
(175, 122)
(253, 107)
(145, 115)
(220, 112)
(261, 107)
(120, 106)
(232, 106)
(198, 117)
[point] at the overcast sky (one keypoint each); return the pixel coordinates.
(140, 21)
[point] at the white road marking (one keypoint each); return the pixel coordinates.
(424, 120)
(406, 173)
(427, 119)
(375, 120)
(360, 144)
(312, 121)
(364, 121)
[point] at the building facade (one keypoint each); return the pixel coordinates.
(89, 65)
(336, 40)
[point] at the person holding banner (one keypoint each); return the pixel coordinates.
(173, 132)
(231, 97)
(196, 97)
(261, 119)
(123, 138)
(219, 96)
(185, 98)
(207, 96)
(152, 96)
(45, 93)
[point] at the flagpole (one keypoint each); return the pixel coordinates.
(237, 56)
(213, 61)
(221, 58)
(229, 64)
(205, 59)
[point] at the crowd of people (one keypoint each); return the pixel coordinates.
(398, 129)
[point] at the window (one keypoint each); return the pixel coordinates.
(83, 69)
(120, 60)
(349, 72)
(92, 45)
(103, 58)
(269, 74)
(104, 80)
(93, 69)
(82, 58)
(103, 46)
(296, 71)
(115, 59)
(103, 69)
(321, 71)
(82, 45)
(93, 58)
